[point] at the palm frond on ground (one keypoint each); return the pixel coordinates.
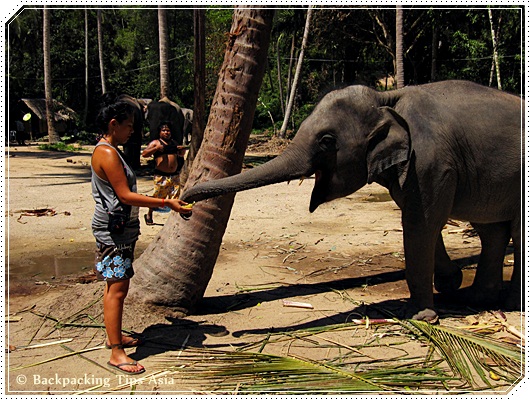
(455, 361)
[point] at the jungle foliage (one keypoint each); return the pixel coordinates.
(347, 45)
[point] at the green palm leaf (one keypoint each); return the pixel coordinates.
(462, 361)
(471, 355)
(265, 373)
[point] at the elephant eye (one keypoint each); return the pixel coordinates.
(328, 142)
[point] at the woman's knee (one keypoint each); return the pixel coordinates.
(118, 290)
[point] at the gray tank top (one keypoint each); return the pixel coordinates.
(104, 196)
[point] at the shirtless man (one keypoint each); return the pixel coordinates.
(169, 158)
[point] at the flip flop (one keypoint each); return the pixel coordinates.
(134, 342)
(118, 368)
(148, 220)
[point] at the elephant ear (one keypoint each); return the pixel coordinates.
(389, 145)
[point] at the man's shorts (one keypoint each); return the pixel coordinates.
(166, 187)
(114, 262)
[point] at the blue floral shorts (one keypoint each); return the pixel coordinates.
(114, 262)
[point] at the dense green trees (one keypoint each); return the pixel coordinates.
(347, 45)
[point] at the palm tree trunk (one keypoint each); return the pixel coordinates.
(85, 111)
(279, 70)
(100, 51)
(176, 267)
(434, 52)
(290, 72)
(400, 72)
(495, 49)
(52, 134)
(289, 108)
(163, 46)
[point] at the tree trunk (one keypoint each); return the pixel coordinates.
(53, 137)
(85, 111)
(279, 70)
(434, 53)
(100, 51)
(495, 49)
(199, 56)
(400, 72)
(163, 46)
(290, 72)
(289, 107)
(176, 267)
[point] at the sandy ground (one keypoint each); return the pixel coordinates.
(345, 260)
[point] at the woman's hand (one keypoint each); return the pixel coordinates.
(179, 206)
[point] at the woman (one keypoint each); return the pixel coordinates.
(116, 226)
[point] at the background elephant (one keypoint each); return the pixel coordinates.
(445, 149)
(132, 148)
(165, 110)
(188, 125)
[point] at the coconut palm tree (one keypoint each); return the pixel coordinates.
(400, 72)
(494, 39)
(163, 48)
(176, 267)
(53, 137)
(100, 51)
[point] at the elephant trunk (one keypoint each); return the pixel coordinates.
(287, 166)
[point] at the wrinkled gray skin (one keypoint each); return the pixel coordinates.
(132, 148)
(162, 111)
(188, 124)
(443, 150)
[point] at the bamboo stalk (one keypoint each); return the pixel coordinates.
(37, 331)
(84, 308)
(34, 346)
(57, 358)
(86, 358)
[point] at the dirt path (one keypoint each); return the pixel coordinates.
(345, 260)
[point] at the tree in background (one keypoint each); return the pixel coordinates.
(400, 73)
(176, 267)
(101, 52)
(85, 112)
(292, 95)
(199, 111)
(50, 118)
(163, 44)
(495, 65)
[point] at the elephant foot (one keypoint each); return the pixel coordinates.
(427, 314)
(448, 283)
(477, 297)
(513, 301)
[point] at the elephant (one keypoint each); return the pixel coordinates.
(188, 125)
(449, 149)
(166, 110)
(132, 148)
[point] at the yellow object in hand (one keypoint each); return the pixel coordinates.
(188, 206)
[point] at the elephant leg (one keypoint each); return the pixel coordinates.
(513, 299)
(447, 275)
(419, 271)
(487, 285)
(132, 152)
